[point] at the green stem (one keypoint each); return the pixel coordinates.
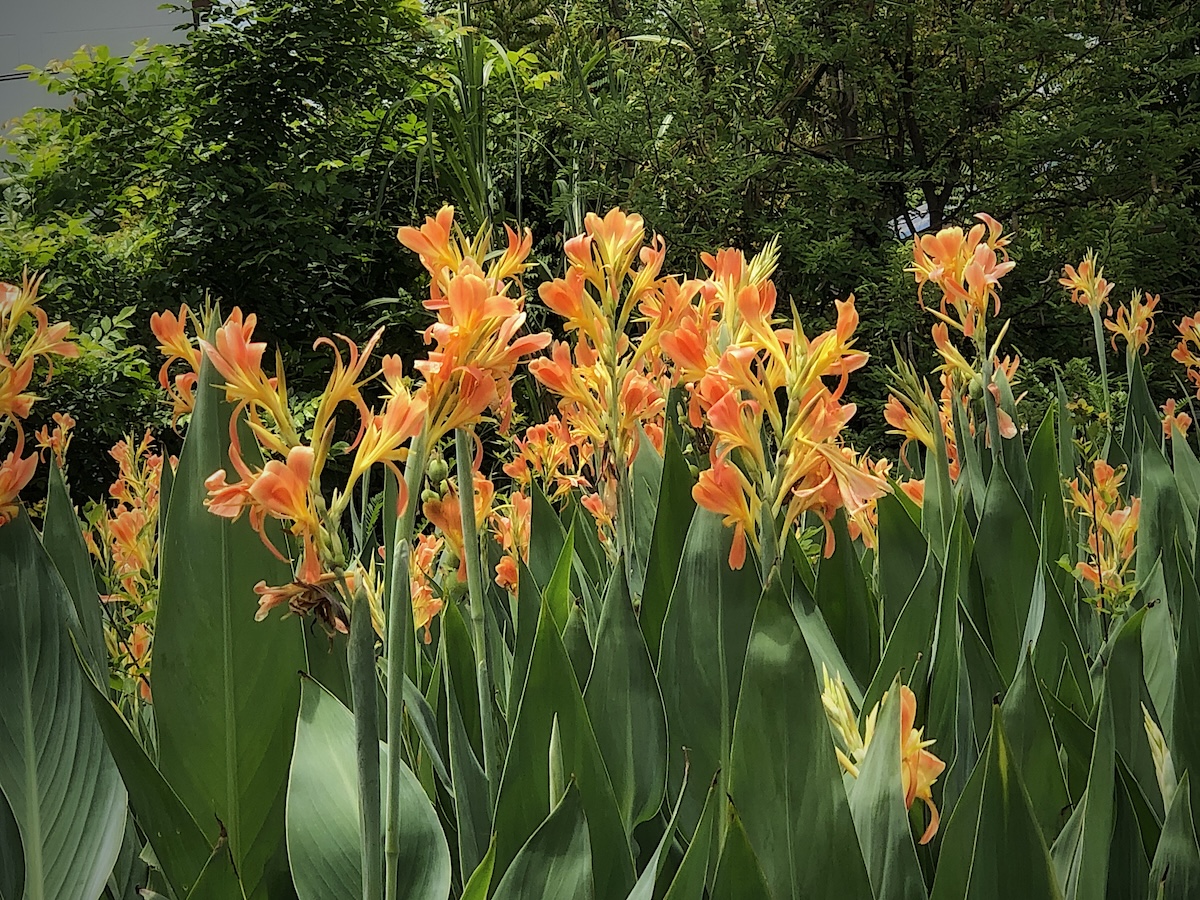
(989, 405)
(363, 689)
(473, 561)
(1098, 333)
(399, 634)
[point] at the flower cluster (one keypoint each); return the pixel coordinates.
(919, 769)
(123, 537)
(1185, 353)
(1087, 283)
(1134, 323)
(178, 346)
(26, 336)
(1112, 528)
(612, 383)
(772, 399)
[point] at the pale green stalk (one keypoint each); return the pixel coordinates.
(1098, 333)
(366, 733)
(399, 620)
(472, 559)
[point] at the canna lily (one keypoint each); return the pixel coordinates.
(1173, 421)
(57, 441)
(723, 489)
(919, 769)
(1087, 283)
(1134, 323)
(15, 473)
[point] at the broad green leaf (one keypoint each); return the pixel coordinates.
(460, 669)
(880, 817)
(524, 801)
(1175, 872)
(992, 847)
(622, 694)
(1081, 853)
(671, 524)
(647, 471)
(644, 889)
(323, 826)
(820, 642)
(424, 722)
(556, 861)
(1141, 415)
(1031, 737)
(546, 538)
(1006, 550)
(1048, 508)
(1161, 516)
(181, 849)
(700, 857)
(739, 872)
(908, 646)
(1128, 865)
(130, 871)
(557, 592)
(700, 664)
(225, 686)
(577, 644)
(61, 784)
(1187, 480)
(902, 554)
(1185, 713)
(12, 855)
(845, 602)
(528, 607)
(62, 536)
(1126, 685)
(785, 780)
(472, 799)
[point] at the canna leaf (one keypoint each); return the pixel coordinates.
(62, 787)
(323, 825)
(700, 857)
(556, 861)
(1081, 853)
(739, 872)
(63, 539)
(902, 557)
(992, 848)
(524, 800)
(1031, 736)
(671, 524)
(622, 693)
(880, 818)
(845, 601)
(785, 780)
(1175, 872)
(225, 688)
(700, 664)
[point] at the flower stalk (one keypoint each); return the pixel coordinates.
(363, 692)
(474, 564)
(398, 636)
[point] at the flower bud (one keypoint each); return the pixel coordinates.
(437, 471)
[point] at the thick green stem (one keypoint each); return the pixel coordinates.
(472, 558)
(399, 635)
(1098, 333)
(363, 688)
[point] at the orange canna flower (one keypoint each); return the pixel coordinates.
(15, 473)
(1134, 323)
(426, 603)
(723, 489)
(176, 345)
(58, 440)
(1173, 421)
(1087, 283)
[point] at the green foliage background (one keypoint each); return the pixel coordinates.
(267, 160)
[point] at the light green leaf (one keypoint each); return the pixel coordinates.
(739, 872)
(622, 695)
(700, 664)
(556, 861)
(992, 847)
(880, 817)
(1175, 872)
(1031, 736)
(62, 536)
(60, 782)
(323, 825)
(785, 779)
(847, 606)
(225, 686)
(902, 554)
(1081, 852)
(700, 856)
